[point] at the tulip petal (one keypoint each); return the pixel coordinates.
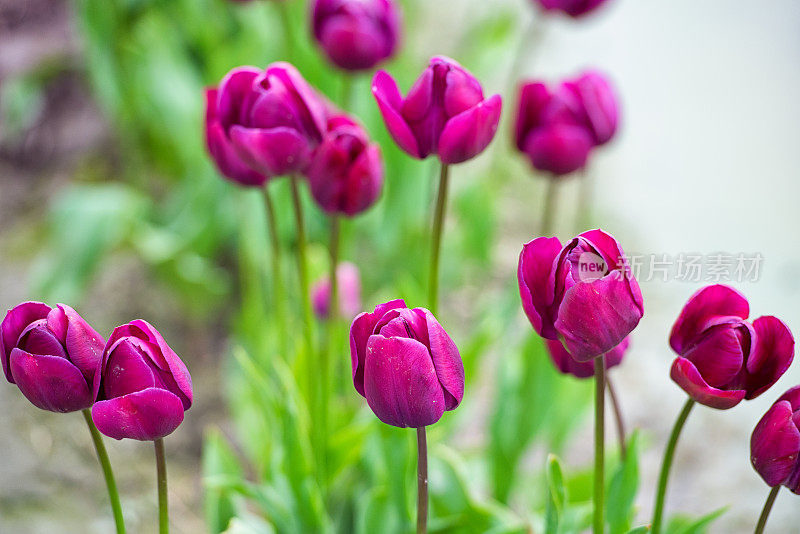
(400, 382)
(533, 275)
(353, 43)
(775, 444)
(311, 101)
(704, 308)
(361, 329)
(14, 323)
(84, 344)
(146, 415)
(568, 365)
(177, 369)
(718, 356)
(533, 98)
(615, 258)
(558, 148)
(469, 133)
(364, 181)
(686, 375)
(771, 357)
(594, 317)
(446, 360)
(274, 152)
(231, 94)
(389, 100)
(49, 382)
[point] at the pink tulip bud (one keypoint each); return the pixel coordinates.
(775, 443)
(349, 289)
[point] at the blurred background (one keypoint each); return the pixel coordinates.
(108, 202)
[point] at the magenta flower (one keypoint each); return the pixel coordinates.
(775, 443)
(722, 357)
(143, 387)
(349, 290)
(570, 366)
(261, 124)
(573, 8)
(444, 113)
(356, 34)
(594, 103)
(582, 294)
(405, 365)
(346, 173)
(51, 354)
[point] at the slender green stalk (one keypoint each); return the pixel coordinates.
(599, 445)
(302, 265)
(333, 319)
(422, 481)
(583, 216)
(347, 91)
(762, 519)
(663, 477)
(436, 240)
(279, 304)
(549, 209)
(288, 29)
(108, 474)
(161, 475)
(612, 394)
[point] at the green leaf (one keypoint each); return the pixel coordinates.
(556, 493)
(639, 530)
(683, 524)
(622, 489)
(219, 459)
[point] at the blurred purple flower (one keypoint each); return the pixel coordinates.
(570, 366)
(775, 443)
(51, 354)
(349, 289)
(444, 112)
(573, 8)
(405, 365)
(356, 34)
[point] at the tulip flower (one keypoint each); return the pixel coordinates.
(51, 354)
(143, 387)
(261, 124)
(570, 366)
(349, 291)
(356, 34)
(444, 113)
(723, 358)
(346, 173)
(573, 8)
(582, 294)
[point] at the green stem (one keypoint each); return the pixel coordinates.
(333, 318)
(669, 453)
(288, 30)
(422, 481)
(108, 474)
(549, 208)
(279, 301)
(161, 474)
(302, 264)
(584, 200)
(436, 240)
(599, 444)
(347, 91)
(762, 519)
(612, 394)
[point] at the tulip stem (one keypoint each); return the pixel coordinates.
(612, 394)
(669, 453)
(279, 302)
(762, 519)
(584, 200)
(422, 481)
(549, 209)
(333, 318)
(599, 444)
(108, 474)
(161, 476)
(436, 239)
(288, 31)
(347, 91)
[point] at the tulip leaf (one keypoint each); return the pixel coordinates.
(644, 529)
(556, 495)
(682, 524)
(622, 489)
(219, 459)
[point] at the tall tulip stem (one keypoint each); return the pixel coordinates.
(302, 264)
(436, 239)
(347, 91)
(762, 519)
(108, 474)
(599, 444)
(422, 481)
(663, 477)
(279, 301)
(161, 476)
(549, 208)
(288, 29)
(612, 395)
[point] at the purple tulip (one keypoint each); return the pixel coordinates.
(261, 124)
(346, 173)
(594, 102)
(573, 8)
(775, 443)
(349, 290)
(356, 34)
(722, 357)
(569, 366)
(143, 387)
(51, 354)
(405, 365)
(444, 113)
(582, 294)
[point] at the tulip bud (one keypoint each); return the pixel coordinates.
(346, 173)
(444, 113)
(356, 34)
(51, 354)
(570, 366)
(573, 8)
(143, 387)
(261, 124)
(722, 357)
(775, 443)
(582, 294)
(349, 290)
(405, 365)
